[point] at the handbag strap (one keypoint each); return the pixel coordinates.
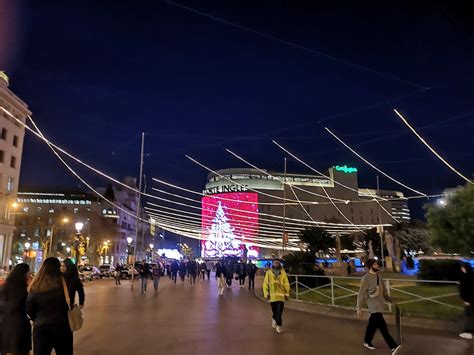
(66, 292)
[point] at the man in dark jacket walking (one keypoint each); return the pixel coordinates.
(192, 272)
(251, 271)
(466, 291)
(174, 267)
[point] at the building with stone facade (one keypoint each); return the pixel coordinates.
(11, 148)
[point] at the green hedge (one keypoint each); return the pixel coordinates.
(441, 269)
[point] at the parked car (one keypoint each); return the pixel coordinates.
(107, 270)
(89, 272)
(127, 271)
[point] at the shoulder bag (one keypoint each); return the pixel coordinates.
(74, 313)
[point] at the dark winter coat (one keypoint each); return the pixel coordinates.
(229, 271)
(466, 286)
(15, 328)
(182, 269)
(241, 269)
(251, 270)
(74, 284)
(220, 270)
(192, 268)
(174, 267)
(48, 308)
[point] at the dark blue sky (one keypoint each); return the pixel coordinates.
(97, 73)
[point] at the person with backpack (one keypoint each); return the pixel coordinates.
(373, 292)
(15, 328)
(276, 288)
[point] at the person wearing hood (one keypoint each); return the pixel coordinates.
(466, 291)
(15, 328)
(276, 288)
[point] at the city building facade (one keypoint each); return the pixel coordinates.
(11, 148)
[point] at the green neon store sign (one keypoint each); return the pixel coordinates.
(346, 169)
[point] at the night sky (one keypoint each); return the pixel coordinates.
(236, 74)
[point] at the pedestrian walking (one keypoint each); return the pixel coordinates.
(156, 272)
(242, 273)
(144, 273)
(209, 267)
(46, 305)
(373, 293)
(192, 272)
(251, 271)
(229, 274)
(15, 328)
(276, 288)
(118, 274)
(174, 267)
(182, 271)
(466, 291)
(203, 270)
(220, 275)
(73, 283)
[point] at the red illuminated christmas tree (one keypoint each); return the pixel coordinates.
(221, 240)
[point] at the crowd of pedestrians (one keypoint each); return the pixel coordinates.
(41, 302)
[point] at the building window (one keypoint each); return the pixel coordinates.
(10, 184)
(2, 156)
(4, 134)
(38, 209)
(13, 162)
(15, 141)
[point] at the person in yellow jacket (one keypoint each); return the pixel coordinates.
(276, 288)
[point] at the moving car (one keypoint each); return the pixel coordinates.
(127, 271)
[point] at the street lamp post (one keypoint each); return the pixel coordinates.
(50, 247)
(151, 251)
(78, 226)
(129, 247)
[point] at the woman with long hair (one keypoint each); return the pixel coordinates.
(15, 328)
(47, 307)
(73, 282)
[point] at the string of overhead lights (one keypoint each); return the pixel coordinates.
(373, 166)
(431, 148)
(128, 187)
(320, 173)
(373, 197)
(285, 183)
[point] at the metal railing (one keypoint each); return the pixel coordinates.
(416, 297)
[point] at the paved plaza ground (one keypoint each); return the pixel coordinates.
(182, 319)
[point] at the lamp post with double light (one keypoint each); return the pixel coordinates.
(77, 240)
(151, 252)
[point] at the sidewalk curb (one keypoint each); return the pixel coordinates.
(450, 326)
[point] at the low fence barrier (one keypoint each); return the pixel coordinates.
(415, 297)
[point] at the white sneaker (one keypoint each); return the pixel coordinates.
(278, 329)
(466, 335)
(274, 324)
(369, 346)
(395, 350)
